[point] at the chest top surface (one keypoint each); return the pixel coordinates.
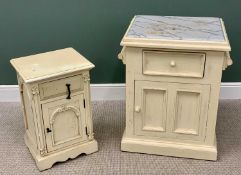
(50, 64)
(183, 32)
(177, 28)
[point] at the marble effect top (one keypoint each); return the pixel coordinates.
(176, 28)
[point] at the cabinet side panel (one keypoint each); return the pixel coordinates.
(217, 59)
(88, 105)
(29, 117)
(133, 62)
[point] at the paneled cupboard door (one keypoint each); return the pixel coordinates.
(64, 122)
(190, 104)
(173, 110)
(151, 99)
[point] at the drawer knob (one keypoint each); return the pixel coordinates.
(69, 92)
(172, 63)
(137, 108)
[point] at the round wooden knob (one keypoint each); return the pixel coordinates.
(137, 108)
(172, 63)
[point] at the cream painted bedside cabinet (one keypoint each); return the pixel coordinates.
(173, 74)
(55, 95)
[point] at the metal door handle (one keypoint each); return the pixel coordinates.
(48, 130)
(69, 92)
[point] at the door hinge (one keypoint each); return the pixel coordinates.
(84, 103)
(86, 131)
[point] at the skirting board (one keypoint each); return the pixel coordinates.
(10, 93)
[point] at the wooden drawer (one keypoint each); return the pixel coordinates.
(184, 64)
(58, 87)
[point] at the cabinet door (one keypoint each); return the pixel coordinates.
(150, 110)
(64, 122)
(190, 107)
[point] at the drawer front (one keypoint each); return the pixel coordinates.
(182, 64)
(56, 88)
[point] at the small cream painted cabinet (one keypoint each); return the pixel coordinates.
(173, 73)
(55, 95)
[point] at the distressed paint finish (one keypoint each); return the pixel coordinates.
(173, 72)
(56, 128)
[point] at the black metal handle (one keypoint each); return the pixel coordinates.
(48, 130)
(69, 92)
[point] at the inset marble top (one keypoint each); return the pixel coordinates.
(177, 28)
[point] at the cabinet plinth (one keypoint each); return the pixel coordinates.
(55, 95)
(173, 74)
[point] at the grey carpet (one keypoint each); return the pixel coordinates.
(109, 122)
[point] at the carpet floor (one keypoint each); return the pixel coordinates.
(109, 122)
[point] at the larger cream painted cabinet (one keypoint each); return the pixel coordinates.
(173, 73)
(55, 94)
